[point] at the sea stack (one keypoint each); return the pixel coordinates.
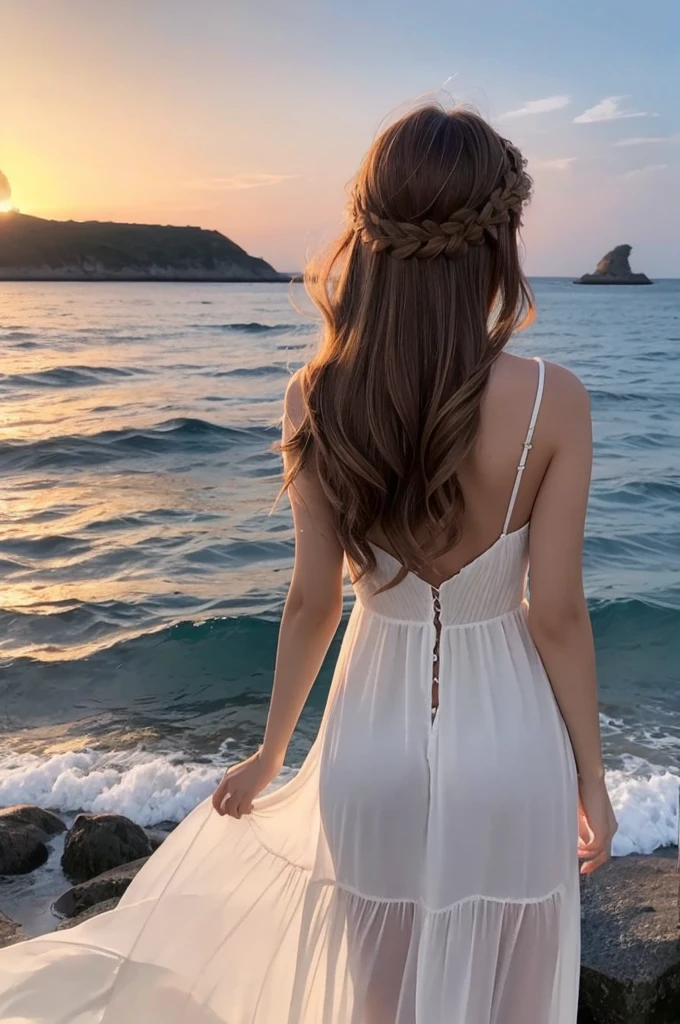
(614, 268)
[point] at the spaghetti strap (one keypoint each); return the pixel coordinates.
(527, 444)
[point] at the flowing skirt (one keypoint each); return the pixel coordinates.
(411, 873)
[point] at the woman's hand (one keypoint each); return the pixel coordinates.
(596, 825)
(242, 783)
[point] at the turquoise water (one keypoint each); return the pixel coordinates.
(144, 572)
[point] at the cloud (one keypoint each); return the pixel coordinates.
(239, 181)
(645, 172)
(5, 190)
(609, 109)
(561, 163)
(642, 140)
(544, 106)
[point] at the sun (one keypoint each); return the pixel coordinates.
(6, 206)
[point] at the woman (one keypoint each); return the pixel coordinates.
(422, 868)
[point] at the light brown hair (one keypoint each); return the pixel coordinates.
(419, 296)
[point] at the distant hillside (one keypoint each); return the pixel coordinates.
(52, 250)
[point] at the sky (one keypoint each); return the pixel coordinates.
(252, 116)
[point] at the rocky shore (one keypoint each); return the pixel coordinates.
(630, 962)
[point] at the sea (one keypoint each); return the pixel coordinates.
(144, 561)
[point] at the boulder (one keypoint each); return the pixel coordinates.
(10, 931)
(614, 268)
(630, 956)
(99, 842)
(109, 885)
(93, 911)
(24, 832)
(22, 848)
(28, 814)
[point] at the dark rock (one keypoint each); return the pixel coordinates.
(93, 911)
(99, 842)
(24, 831)
(630, 957)
(109, 885)
(22, 848)
(28, 814)
(10, 931)
(614, 268)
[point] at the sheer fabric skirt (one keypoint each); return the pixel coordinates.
(412, 873)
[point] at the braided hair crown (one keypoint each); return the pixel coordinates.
(470, 225)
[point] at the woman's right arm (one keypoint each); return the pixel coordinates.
(559, 622)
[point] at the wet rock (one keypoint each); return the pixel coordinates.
(10, 931)
(93, 911)
(24, 832)
(99, 842)
(630, 957)
(22, 848)
(614, 268)
(103, 888)
(28, 814)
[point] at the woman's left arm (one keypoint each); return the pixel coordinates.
(310, 618)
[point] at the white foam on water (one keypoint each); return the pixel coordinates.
(150, 788)
(645, 803)
(146, 788)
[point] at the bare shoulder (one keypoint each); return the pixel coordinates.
(294, 403)
(564, 394)
(566, 410)
(567, 391)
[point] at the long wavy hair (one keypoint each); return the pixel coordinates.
(419, 296)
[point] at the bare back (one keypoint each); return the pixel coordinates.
(489, 474)
(552, 493)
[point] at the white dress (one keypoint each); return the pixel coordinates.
(415, 871)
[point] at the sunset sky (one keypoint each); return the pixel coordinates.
(250, 116)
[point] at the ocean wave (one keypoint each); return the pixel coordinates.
(152, 788)
(634, 617)
(68, 376)
(608, 617)
(637, 492)
(146, 788)
(652, 439)
(602, 396)
(179, 433)
(17, 335)
(257, 371)
(254, 327)
(646, 808)
(614, 622)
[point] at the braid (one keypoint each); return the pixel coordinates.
(427, 239)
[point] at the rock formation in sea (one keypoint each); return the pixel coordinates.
(33, 249)
(614, 268)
